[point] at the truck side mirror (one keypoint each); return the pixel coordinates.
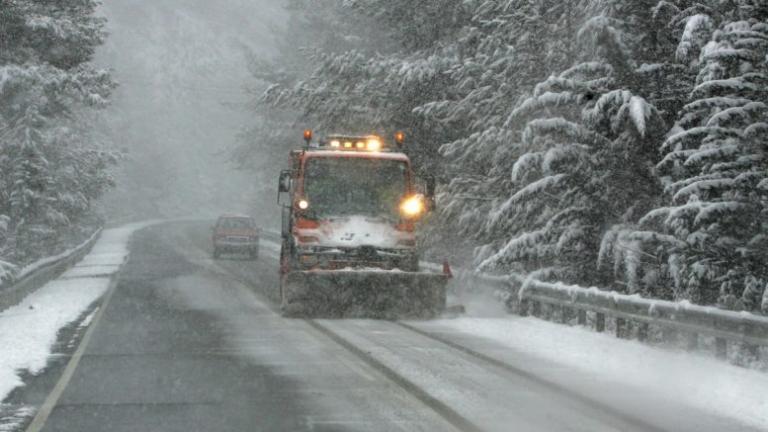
(283, 184)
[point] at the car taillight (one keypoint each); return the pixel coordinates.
(308, 239)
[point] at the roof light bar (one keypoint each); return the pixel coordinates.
(371, 143)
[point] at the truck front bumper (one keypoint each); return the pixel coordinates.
(335, 258)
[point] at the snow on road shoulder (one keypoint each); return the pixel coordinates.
(702, 382)
(29, 330)
(33, 267)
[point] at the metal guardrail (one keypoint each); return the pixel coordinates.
(13, 294)
(526, 296)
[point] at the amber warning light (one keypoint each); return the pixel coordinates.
(307, 135)
(400, 138)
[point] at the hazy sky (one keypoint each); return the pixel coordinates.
(182, 73)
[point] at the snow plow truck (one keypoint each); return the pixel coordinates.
(350, 206)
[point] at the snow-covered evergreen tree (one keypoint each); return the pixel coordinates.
(581, 160)
(548, 123)
(715, 165)
(51, 166)
(313, 30)
(505, 48)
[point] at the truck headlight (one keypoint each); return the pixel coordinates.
(413, 206)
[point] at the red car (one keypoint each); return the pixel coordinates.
(235, 234)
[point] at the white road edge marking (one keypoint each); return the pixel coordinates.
(45, 410)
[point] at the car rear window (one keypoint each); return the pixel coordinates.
(236, 223)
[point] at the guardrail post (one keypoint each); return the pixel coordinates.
(523, 307)
(721, 348)
(536, 309)
(751, 352)
(545, 311)
(565, 314)
(555, 313)
(552, 312)
(582, 317)
(599, 322)
(514, 303)
(620, 324)
(642, 332)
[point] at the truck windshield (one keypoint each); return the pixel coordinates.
(347, 186)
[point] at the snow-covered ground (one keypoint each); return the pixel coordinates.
(30, 268)
(698, 381)
(28, 330)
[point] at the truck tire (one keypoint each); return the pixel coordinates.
(216, 253)
(254, 253)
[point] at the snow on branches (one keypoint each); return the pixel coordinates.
(596, 141)
(698, 29)
(52, 166)
(714, 165)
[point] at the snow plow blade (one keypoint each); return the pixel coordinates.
(363, 294)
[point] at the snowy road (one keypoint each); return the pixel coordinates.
(188, 343)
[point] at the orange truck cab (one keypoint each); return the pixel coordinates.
(350, 202)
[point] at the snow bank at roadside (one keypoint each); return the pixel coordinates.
(30, 268)
(706, 383)
(29, 330)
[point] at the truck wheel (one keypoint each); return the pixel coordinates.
(254, 253)
(216, 253)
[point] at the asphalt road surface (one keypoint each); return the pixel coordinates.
(188, 343)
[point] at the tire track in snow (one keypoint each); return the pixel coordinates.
(446, 412)
(635, 421)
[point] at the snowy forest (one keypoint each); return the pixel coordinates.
(54, 163)
(610, 143)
